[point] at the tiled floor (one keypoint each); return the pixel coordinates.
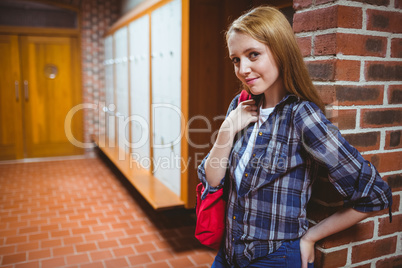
(83, 213)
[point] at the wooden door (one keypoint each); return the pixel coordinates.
(50, 78)
(11, 145)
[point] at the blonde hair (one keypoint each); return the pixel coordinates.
(270, 27)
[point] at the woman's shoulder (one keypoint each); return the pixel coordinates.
(305, 107)
(233, 104)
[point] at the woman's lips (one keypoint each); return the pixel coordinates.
(251, 81)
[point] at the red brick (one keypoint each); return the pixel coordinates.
(40, 236)
(393, 139)
(161, 255)
(16, 239)
(92, 265)
(181, 262)
(126, 251)
(61, 251)
(116, 263)
(395, 94)
(359, 95)
(395, 261)
(94, 237)
(398, 4)
(77, 259)
(331, 259)
(381, 117)
(301, 4)
(7, 250)
(101, 255)
(139, 259)
(363, 266)
(386, 228)
(394, 181)
(60, 233)
(325, 44)
(129, 241)
(384, 21)
(396, 48)
(364, 141)
(31, 264)
(28, 246)
(14, 258)
(327, 94)
(320, 2)
(51, 243)
(343, 119)
(85, 247)
(304, 45)
(83, 230)
(39, 254)
(321, 70)
(374, 2)
(385, 162)
(73, 240)
(114, 234)
(327, 18)
(356, 233)
(383, 71)
(108, 244)
(54, 262)
(375, 249)
(363, 45)
(141, 248)
(162, 264)
(347, 70)
(202, 258)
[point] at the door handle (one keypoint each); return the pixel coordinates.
(26, 90)
(17, 93)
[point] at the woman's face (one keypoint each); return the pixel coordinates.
(254, 64)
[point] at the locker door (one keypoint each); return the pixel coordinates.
(140, 90)
(109, 92)
(166, 93)
(122, 108)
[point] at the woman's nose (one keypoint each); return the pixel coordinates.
(244, 67)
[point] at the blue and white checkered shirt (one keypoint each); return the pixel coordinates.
(291, 148)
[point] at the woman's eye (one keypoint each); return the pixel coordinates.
(254, 55)
(235, 60)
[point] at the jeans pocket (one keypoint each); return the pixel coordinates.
(310, 265)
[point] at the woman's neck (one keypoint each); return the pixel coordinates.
(274, 95)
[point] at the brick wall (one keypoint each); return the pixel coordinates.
(97, 16)
(354, 55)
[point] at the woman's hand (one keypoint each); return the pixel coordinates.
(240, 117)
(306, 251)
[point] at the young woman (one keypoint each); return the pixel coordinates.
(274, 146)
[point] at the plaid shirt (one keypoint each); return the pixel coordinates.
(290, 151)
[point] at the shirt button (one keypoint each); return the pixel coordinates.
(246, 175)
(234, 217)
(253, 155)
(260, 133)
(369, 165)
(232, 239)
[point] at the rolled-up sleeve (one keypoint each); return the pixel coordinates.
(201, 167)
(355, 178)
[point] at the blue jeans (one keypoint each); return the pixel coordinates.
(287, 255)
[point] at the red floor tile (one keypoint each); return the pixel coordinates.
(84, 213)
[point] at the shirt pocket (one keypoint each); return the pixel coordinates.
(276, 158)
